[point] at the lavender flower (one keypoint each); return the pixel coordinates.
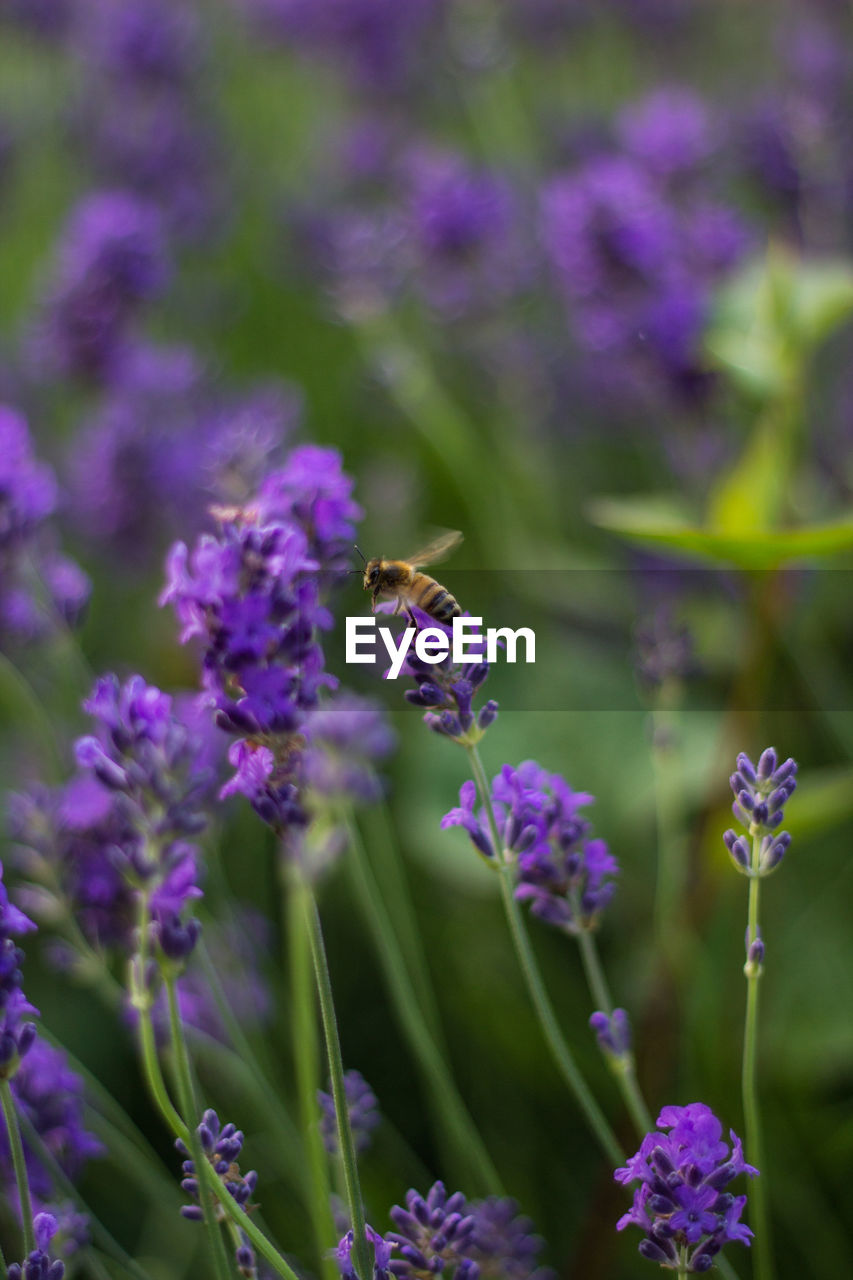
(567, 879)
(637, 257)
(147, 41)
(462, 230)
(50, 1095)
(761, 792)
(38, 1265)
(111, 259)
(381, 1255)
(362, 1108)
(344, 737)
(313, 492)
(434, 1236)
(34, 577)
(505, 1244)
(17, 1033)
(147, 758)
(681, 1203)
(221, 1145)
(447, 689)
(376, 41)
(613, 1033)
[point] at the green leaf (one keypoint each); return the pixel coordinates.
(658, 522)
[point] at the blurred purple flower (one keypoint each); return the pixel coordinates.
(505, 1243)
(362, 1108)
(111, 258)
(313, 492)
(35, 579)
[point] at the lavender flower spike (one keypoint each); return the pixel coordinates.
(681, 1202)
(38, 1265)
(761, 792)
(363, 1110)
(381, 1255)
(221, 1145)
(434, 1234)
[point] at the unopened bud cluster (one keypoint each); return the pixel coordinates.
(761, 792)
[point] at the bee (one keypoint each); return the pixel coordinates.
(413, 589)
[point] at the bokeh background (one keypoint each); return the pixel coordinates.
(575, 279)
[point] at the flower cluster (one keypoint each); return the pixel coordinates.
(681, 1202)
(144, 122)
(637, 243)
(362, 1109)
(761, 792)
(50, 1095)
(152, 765)
(313, 492)
(17, 1033)
(447, 689)
(377, 42)
(46, 1092)
(38, 1265)
(567, 879)
(446, 1235)
(35, 580)
(111, 259)
(434, 1235)
(221, 1145)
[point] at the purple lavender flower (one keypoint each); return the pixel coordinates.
(447, 689)
(34, 577)
(434, 1236)
(613, 1033)
(362, 1108)
(221, 1145)
(111, 259)
(50, 1095)
(381, 1255)
(148, 41)
(567, 879)
(671, 132)
(462, 230)
(313, 492)
(637, 256)
(345, 736)
(38, 1265)
(681, 1203)
(505, 1244)
(17, 1033)
(253, 597)
(376, 41)
(149, 760)
(761, 792)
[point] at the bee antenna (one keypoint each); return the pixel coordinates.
(361, 553)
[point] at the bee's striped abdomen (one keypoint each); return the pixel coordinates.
(434, 599)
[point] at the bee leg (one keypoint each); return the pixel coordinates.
(412, 619)
(373, 604)
(396, 607)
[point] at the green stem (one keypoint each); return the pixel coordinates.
(19, 1164)
(460, 1131)
(289, 1138)
(190, 1109)
(157, 1088)
(346, 1145)
(623, 1066)
(307, 1057)
(560, 1051)
(754, 1146)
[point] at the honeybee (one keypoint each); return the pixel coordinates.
(413, 589)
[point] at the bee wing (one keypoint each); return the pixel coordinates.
(437, 550)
